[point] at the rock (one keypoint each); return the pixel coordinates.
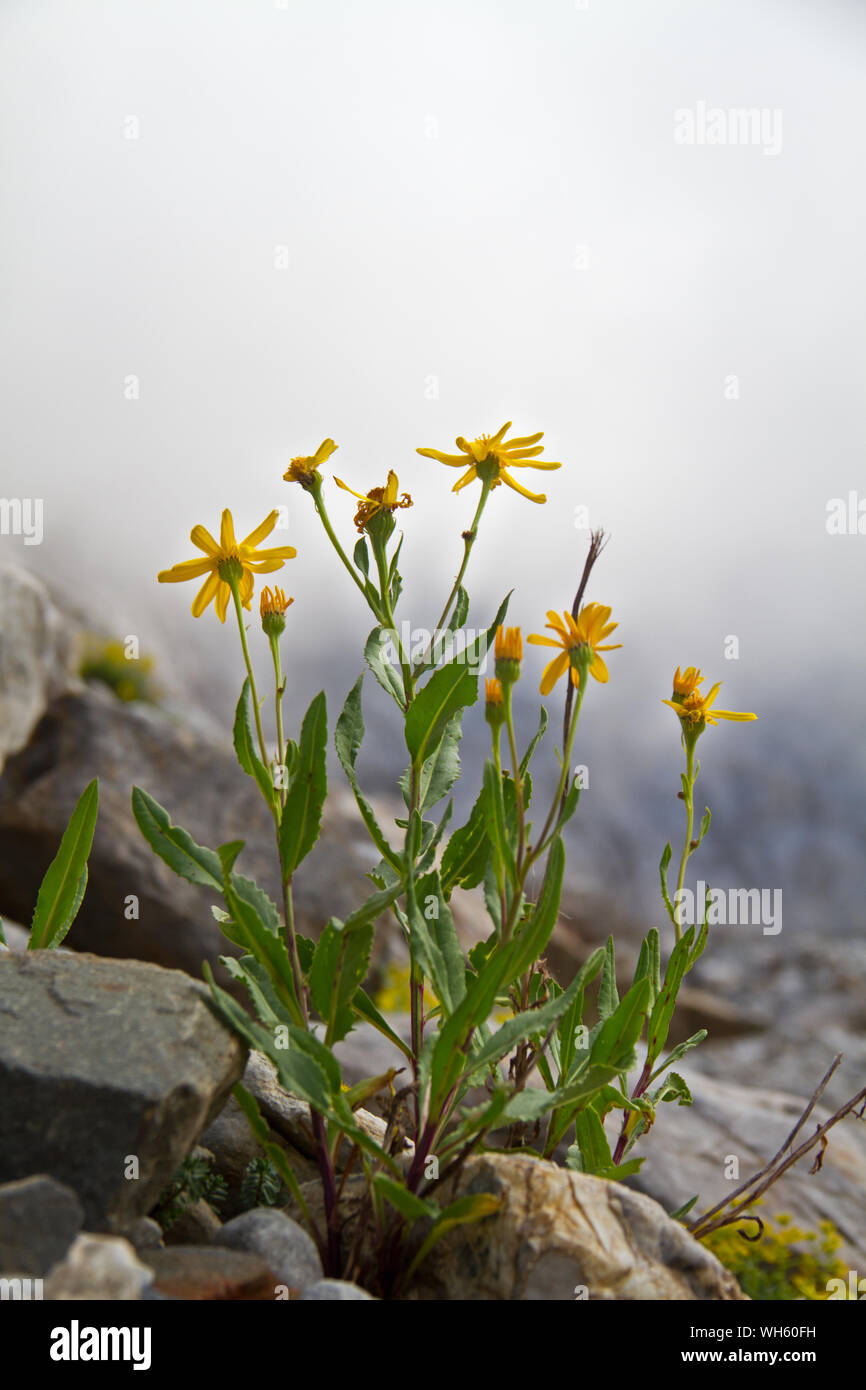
(231, 1142)
(283, 1245)
(689, 1149)
(144, 1235)
(90, 732)
(98, 1267)
(36, 651)
(210, 1273)
(335, 1291)
(290, 1117)
(103, 1062)
(559, 1233)
(198, 1225)
(16, 936)
(39, 1220)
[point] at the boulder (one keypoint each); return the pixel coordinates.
(285, 1247)
(36, 653)
(109, 1071)
(98, 1268)
(39, 1220)
(211, 1273)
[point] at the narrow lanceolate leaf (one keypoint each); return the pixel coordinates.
(348, 737)
(441, 770)
(65, 880)
(497, 826)
(249, 930)
(245, 746)
(302, 813)
(435, 943)
(530, 942)
(536, 739)
(663, 1009)
(178, 849)
(339, 966)
(615, 1042)
(385, 673)
(648, 964)
(608, 998)
(411, 1207)
(467, 853)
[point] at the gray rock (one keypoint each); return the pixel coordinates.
(283, 1245)
(143, 1235)
(335, 1291)
(39, 1220)
(103, 1062)
(98, 1267)
(197, 1225)
(35, 655)
(90, 732)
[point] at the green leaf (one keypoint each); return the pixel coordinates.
(608, 999)
(672, 1088)
(615, 1042)
(663, 877)
(467, 853)
(592, 1141)
(440, 771)
(366, 1009)
(680, 1051)
(531, 940)
(348, 736)
(339, 965)
(386, 675)
(434, 942)
(302, 813)
(460, 611)
(663, 1009)
(494, 815)
(648, 964)
(173, 845)
(274, 1152)
(266, 946)
(411, 1207)
(361, 556)
(63, 886)
(530, 1023)
(246, 749)
(683, 1211)
(459, 1213)
(536, 739)
(451, 688)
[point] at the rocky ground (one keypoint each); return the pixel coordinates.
(109, 1053)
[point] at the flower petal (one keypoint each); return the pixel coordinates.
(205, 594)
(516, 487)
(227, 532)
(224, 594)
(538, 641)
(345, 486)
(200, 536)
(187, 569)
(553, 672)
(453, 460)
(265, 529)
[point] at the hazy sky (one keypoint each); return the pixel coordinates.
(394, 223)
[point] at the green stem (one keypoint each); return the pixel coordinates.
(319, 503)
(249, 665)
(515, 765)
(279, 687)
(468, 542)
(688, 797)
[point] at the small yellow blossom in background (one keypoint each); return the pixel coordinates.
(589, 629)
(493, 691)
(303, 470)
(273, 602)
(243, 556)
(378, 499)
(688, 680)
(489, 457)
(695, 708)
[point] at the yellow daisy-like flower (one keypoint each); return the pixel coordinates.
(490, 456)
(378, 499)
(589, 629)
(273, 602)
(688, 680)
(695, 708)
(303, 470)
(225, 558)
(509, 644)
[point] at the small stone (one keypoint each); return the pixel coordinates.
(39, 1220)
(281, 1243)
(144, 1235)
(203, 1273)
(98, 1268)
(197, 1225)
(335, 1291)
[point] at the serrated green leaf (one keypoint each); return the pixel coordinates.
(245, 747)
(386, 675)
(173, 845)
(434, 942)
(608, 998)
(449, 690)
(339, 965)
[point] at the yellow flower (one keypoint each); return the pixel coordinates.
(494, 707)
(228, 559)
(303, 470)
(378, 499)
(509, 644)
(697, 709)
(490, 457)
(589, 630)
(688, 680)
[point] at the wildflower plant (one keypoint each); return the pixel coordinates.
(499, 1053)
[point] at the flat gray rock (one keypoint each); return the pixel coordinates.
(335, 1291)
(109, 1071)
